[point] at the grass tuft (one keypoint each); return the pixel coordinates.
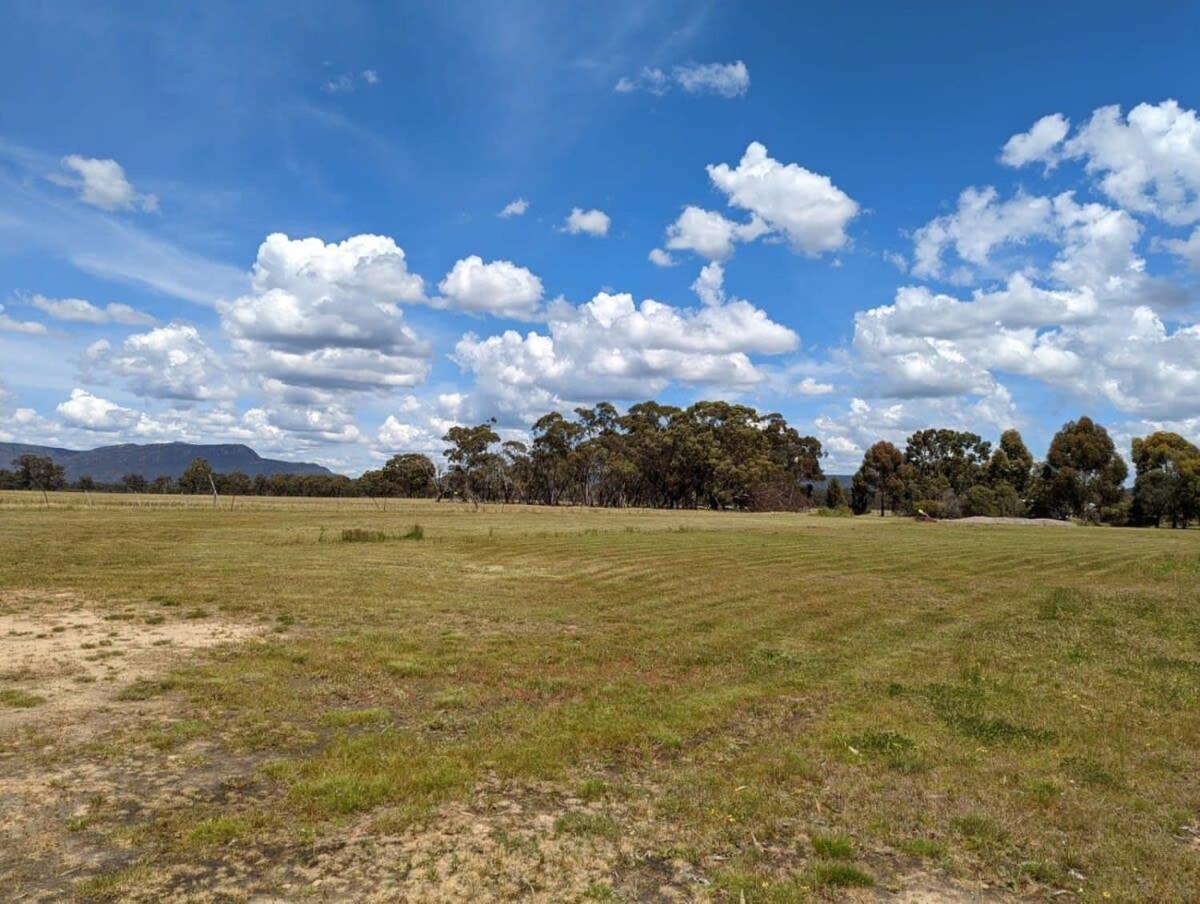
(145, 689)
(594, 824)
(217, 830)
(835, 874)
(363, 535)
(833, 847)
(20, 699)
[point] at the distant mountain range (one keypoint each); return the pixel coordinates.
(109, 464)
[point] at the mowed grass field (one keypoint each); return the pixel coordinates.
(571, 704)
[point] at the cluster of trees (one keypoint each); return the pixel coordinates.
(33, 472)
(1167, 486)
(950, 473)
(709, 455)
(724, 456)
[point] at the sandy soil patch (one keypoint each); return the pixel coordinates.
(71, 678)
(68, 665)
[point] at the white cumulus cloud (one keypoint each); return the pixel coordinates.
(591, 222)
(1040, 143)
(614, 347)
(102, 183)
(170, 362)
(1147, 161)
(90, 412)
(499, 287)
(327, 316)
(710, 234)
(804, 206)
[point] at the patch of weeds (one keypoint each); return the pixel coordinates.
(1002, 731)
(1174, 664)
(217, 830)
(793, 765)
(108, 886)
(833, 874)
(594, 789)
(164, 600)
(81, 822)
(961, 708)
(899, 752)
(156, 619)
(20, 699)
(451, 698)
(1043, 790)
(1042, 871)
(595, 824)
(120, 616)
(1059, 603)
(145, 689)
(343, 718)
(871, 741)
(1089, 771)
(343, 793)
(363, 535)
(598, 891)
(770, 659)
(667, 738)
(980, 831)
(833, 847)
(923, 847)
(176, 733)
(196, 613)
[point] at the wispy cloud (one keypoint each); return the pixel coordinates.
(728, 80)
(98, 243)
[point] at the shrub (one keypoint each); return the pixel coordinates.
(980, 500)
(362, 535)
(842, 511)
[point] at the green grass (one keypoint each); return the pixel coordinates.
(1010, 705)
(833, 847)
(363, 535)
(217, 830)
(19, 699)
(588, 824)
(144, 689)
(832, 874)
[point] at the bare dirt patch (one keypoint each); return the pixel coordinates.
(76, 684)
(71, 664)
(529, 842)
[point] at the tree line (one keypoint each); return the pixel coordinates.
(950, 473)
(719, 455)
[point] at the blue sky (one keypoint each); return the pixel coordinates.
(871, 219)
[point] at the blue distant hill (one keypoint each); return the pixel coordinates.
(108, 464)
